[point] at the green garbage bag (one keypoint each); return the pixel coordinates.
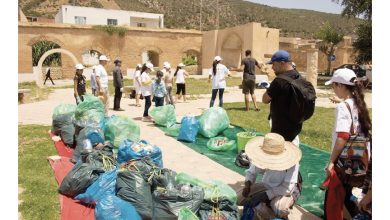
(64, 109)
(214, 189)
(164, 115)
(173, 131)
(221, 144)
(119, 128)
(213, 121)
(91, 110)
(187, 214)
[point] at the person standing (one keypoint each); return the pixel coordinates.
(79, 84)
(249, 79)
(279, 95)
(180, 74)
(168, 80)
(137, 84)
(48, 72)
(146, 89)
(118, 84)
(102, 81)
(93, 81)
(218, 73)
(159, 90)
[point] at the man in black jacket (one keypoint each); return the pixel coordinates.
(118, 84)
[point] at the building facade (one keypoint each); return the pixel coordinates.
(98, 16)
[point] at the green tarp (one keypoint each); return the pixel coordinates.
(311, 167)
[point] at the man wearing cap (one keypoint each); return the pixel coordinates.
(168, 80)
(118, 84)
(79, 83)
(278, 161)
(279, 95)
(249, 79)
(102, 81)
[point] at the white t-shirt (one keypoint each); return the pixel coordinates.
(180, 76)
(102, 73)
(146, 90)
(219, 81)
(135, 82)
(343, 119)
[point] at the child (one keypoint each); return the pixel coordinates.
(79, 84)
(159, 90)
(180, 81)
(146, 89)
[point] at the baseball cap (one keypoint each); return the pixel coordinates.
(79, 66)
(181, 65)
(149, 66)
(217, 58)
(343, 76)
(280, 55)
(103, 57)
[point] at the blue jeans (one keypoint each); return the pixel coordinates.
(214, 95)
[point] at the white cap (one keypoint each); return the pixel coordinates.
(103, 57)
(139, 65)
(344, 76)
(149, 66)
(181, 65)
(167, 65)
(217, 58)
(79, 66)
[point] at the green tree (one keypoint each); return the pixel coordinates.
(330, 38)
(39, 48)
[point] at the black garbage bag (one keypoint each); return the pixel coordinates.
(167, 202)
(164, 178)
(79, 178)
(226, 210)
(103, 158)
(134, 184)
(62, 126)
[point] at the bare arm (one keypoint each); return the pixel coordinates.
(75, 88)
(98, 83)
(337, 149)
(266, 98)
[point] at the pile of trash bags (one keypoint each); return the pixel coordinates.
(213, 121)
(119, 128)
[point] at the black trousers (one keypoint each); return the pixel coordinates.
(117, 98)
(48, 77)
(148, 103)
(159, 101)
(214, 95)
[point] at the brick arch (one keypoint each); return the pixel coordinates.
(185, 49)
(45, 38)
(231, 50)
(151, 48)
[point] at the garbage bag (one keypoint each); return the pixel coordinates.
(103, 186)
(91, 132)
(129, 150)
(173, 131)
(91, 110)
(79, 178)
(187, 214)
(168, 202)
(189, 129)
(213, 121)
(226, 210)
(62, 125)
(165, 178)
(164, 115)
(214, 189)
(103, 158)
(120, 128)
(221, 144)
(64, 109)
(113, 208)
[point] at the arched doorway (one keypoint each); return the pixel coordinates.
(231, 51)
(151, 54)
(38, 69)
(192, 59)
(90, 57)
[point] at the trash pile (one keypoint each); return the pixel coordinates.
(123, 176)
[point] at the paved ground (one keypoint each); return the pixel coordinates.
(176, 156)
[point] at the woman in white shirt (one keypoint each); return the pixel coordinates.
(218, 73)
(137, 84)
(146, 89)
(180, 81)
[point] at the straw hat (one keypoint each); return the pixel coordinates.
(272, 152)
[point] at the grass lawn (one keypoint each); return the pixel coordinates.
(316, 132)
(202, 86)
(40, 198)
(36, 94)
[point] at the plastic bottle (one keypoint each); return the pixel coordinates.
(185, 190)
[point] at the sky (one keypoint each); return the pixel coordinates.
(316, 5)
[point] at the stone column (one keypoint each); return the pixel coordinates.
(312, 66)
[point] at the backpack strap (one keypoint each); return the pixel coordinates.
(351, 131)
(285, 77)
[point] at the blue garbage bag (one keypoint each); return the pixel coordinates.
(189, 129)
(112, 207)
(103, 186)
(129, 150)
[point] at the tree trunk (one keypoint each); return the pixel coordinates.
(331, 52)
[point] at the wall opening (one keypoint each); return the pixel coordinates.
(232, 51)
(191, 58)
(90, 57)
(41, 47)
(150, 56)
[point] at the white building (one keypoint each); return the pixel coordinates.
(98, 16)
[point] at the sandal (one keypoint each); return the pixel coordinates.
(257, 110)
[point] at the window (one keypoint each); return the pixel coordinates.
(112, 22)
(80, 20)
(141, 25)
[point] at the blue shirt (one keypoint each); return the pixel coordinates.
(159, 90)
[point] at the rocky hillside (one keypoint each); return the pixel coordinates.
(185, 14)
